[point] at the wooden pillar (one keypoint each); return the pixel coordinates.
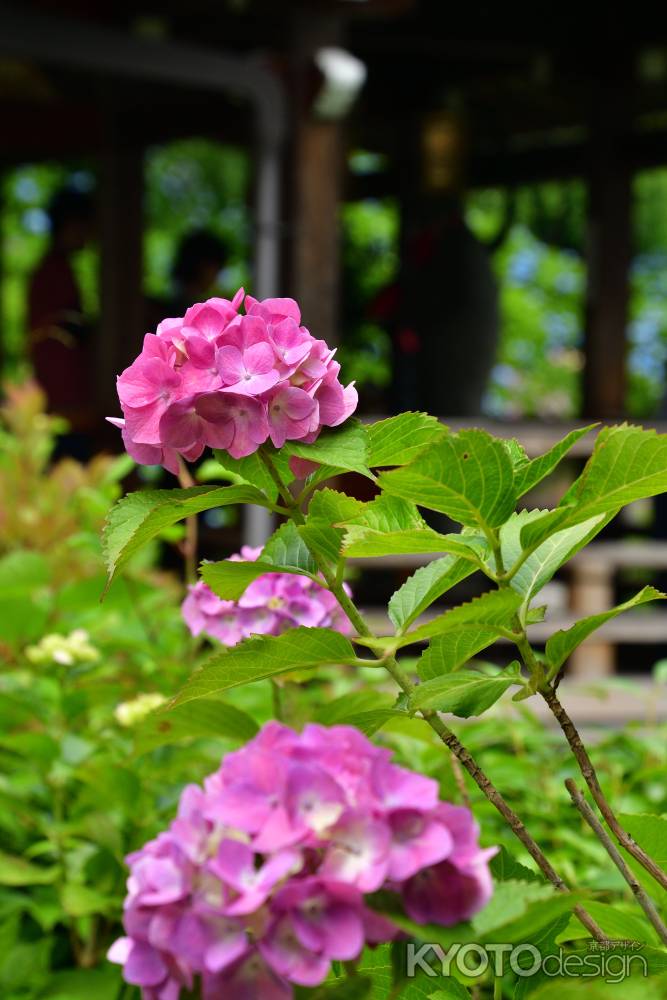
(121, 326)
(592, 592)
(316, 248)
(609, 254)
(317, 171)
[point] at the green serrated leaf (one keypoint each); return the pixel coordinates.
(286, 549)
(205, 718)
(650, 832)
(617, 924)
(266, 656)
(320, 533)
(504, 868)
(285, 552)
(468, 476)
(627, 464)
(425, 586)
(398, 440)
(511, 900)
(527, 475)
(548, 557)
(385, 514)
(253, 471)
(562, 643)
(335, 712)
(516, 451)
(139, 517)
(393, 526)
(230, 579)
(344, 448)
(494, 609)
(333, 506)
(446, 653)
(465, 692)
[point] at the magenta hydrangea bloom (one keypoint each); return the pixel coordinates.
(221, 379)
(270, 605)
(262, 879)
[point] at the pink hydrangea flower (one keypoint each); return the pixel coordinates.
(217, 378)
(270, 605)
(261, 880)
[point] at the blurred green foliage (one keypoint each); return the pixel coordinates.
(197, 183)
(542, 280)
(542, 275)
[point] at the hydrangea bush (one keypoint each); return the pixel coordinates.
(305, 848)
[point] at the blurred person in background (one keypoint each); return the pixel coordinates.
(59, 337)
(198, 261)
(195, 276)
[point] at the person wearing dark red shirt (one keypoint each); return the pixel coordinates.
(59, 339)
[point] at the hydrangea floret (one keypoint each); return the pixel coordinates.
(265, 875)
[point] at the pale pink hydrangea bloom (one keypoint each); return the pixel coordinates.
(270, 605)
(260, 881)
(216, 378)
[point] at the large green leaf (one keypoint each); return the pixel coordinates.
(650, 832)
(465, 692)
(398, 440)
(253, 471)
(495, 609)
(385, 514)
(205, 718)
(334, 507)
(511, 900)
(562, 643)
(267, 656)
(425, 586)
(505, 867)
(343, 448)
(617, 924)
(285, 552)
(364, 543)
(627, 464)
(543, 562)
(448, 652)
(528, 474)
(468, 476)
(320, 534)
(139, 517)
(393, 526)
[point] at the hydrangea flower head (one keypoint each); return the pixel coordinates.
(222, 379)
(262, 879)
(270, 605)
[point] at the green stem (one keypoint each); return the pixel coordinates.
(432, 718)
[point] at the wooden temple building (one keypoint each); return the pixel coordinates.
(565, 93)
(546, 92)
